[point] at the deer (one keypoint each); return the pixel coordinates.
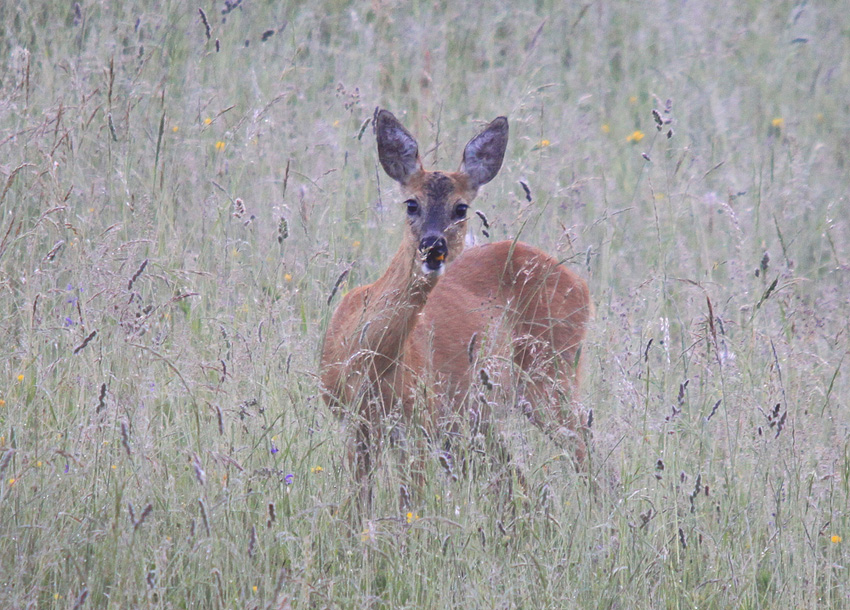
(423, 342)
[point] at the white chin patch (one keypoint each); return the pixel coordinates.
(427, 271)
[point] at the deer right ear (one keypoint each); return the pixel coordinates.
(482, 157)
(397, 150)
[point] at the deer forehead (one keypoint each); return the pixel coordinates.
(439, 189)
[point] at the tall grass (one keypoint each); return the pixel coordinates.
(162, 442)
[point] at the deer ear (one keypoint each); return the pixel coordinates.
(397, 150)
(482, 157)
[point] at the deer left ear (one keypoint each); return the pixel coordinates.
(397, 149)
(482, 157)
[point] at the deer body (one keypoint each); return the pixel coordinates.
(412, 342)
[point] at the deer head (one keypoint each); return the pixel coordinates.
(437, 202)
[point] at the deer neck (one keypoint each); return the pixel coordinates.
(393, 305)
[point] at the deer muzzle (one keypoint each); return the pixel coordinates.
(432, 252)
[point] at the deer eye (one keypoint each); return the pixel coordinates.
(412, 207)
(460, 210)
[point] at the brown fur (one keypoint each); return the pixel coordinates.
(412, 339)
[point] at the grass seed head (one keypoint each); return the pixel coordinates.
(125, 439)
(252, 542)
(143, 517)
(238, 208)
(81, 599)
(203, 509)
(200, 475)
(658, 120)
(206, 23)
(101, 401)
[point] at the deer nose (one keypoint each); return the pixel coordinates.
(433, 251)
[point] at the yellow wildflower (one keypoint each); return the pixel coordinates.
(174, 129)
(635, 136)
(287, 277)
(207, 121)
(836, 539)
(778, 122)
(316, 469)
(606, 128)
(219, 145)
(20, 377)
(2, 403)
(411, 517)
(12, 481)
(633, 99)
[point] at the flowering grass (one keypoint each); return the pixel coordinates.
(162, 439)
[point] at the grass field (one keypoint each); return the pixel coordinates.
(177, 202)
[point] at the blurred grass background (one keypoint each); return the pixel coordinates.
(176, 205)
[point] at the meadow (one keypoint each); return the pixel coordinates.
(180, 194)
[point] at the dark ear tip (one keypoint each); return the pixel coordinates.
(382, 115)
(500, 123)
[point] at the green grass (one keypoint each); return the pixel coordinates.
(718, 264)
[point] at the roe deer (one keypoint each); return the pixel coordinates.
(408, 345)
